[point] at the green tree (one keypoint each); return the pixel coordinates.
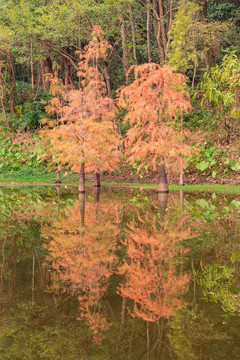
(220, 88)
(195, 42)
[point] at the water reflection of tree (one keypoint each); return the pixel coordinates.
(83, 257)
(201, 330)
(215, 254)
(209, 327)
(19, 233)
(196, 334)
(46, 328)
(154, 277)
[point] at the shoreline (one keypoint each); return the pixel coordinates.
(218, 188)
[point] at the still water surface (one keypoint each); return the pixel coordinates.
(121, 274)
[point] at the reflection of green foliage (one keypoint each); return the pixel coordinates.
(204, 210)
(211, 209)
(30, 202)
(52, 332)
(212, 218)
(12, 202)
(178, 336)
(235, 204)
(190, 329)
(139, 200)
(22, 211)
(216, 281)
(35, 333)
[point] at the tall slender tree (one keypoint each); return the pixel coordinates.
(153, 100)
(86, 139)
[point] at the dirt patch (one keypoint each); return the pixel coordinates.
(190, 179)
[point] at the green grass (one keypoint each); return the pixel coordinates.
(227, 189)
(26, 176)
(188, 188)
(42, 176)
(39, 175)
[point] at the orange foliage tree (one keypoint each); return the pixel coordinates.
(99, 49)
(152, 101)
(153, 279)
(83, 258)
(86, 139)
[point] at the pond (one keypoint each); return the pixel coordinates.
(121, 274)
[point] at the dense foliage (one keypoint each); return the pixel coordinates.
(189, 35)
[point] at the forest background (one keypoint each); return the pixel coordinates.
(40, 41)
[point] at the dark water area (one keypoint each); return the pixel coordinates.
(120, 274)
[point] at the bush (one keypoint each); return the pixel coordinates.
(211, 160)
(201, 119)
(13, 155)
(30, 109)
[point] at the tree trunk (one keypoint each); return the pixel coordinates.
(4, 260)
(124, 46)
(13, 277)
(68, 80)
(170, 19)
(38, 79)
(162, 24)
(46, 69)
(124, 301)
(96, 194)
(148, 31)
(2, 94)
(31, 57)
(160, 337)
(81, 186)
(207, 60)
(81, 197)
(33, 278)
(148, 342)
(58, 187)
(133, 38)
(131, 340)
(194, 73)
(181, 178)
(163, 184)
(12, 75)
(107, 78)
(204, 7)
(162, 21)
(106, 73)
(96, 179)
(182, 201)
(58, 181)
(157, 30)
(163, 200)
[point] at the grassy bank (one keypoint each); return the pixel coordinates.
(34, 176)
(41, 176)
(27, 176)
(188, 188)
